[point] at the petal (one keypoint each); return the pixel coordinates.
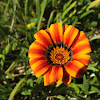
(43, 37)
(46, 77)
(82, 58)
(82, 37)
(39, 66)
(70, 34)
(54, 74)
(48, 30)
(66, 78)
(56, 32)
(36, 50)
(75, 68)
(65, 27)
(82, 45)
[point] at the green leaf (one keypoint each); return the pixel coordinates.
(75, 21)
(58, 84)
(13, 93)
(59, 97)
(13, 64)
(26, 7)
(86, 13)
(38, 11)
(15, 44)
(75, 87)
(95, 89)
(93, 3)
(50, 18)
(39, 80)
(66, 5)
(53, 3)
(26, 92)
(92, 67)
(42, 12)
(30, 82)
(7, 49)
(86, 86)
(95, 37)
(68, 9)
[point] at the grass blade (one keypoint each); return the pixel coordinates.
(16, 89)
(51, 17)
(68, 9)
(42, 12)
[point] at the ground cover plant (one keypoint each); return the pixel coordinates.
(19, 21)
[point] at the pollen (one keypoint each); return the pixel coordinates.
(59, 55)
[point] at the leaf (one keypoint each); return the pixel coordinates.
(11, 66)
(26, 7)
(42, 12)
(68, 9)
(75, 21)
(59, 97)
(91, 67)
(38, 11)
(39, 80)
(95, 89)
(66, 4)
(53, 3)
(30, 82)
(86, 13)
(7, 49)
(93, 3)
(75, 87)
(50, 18)
(58, 84)
(2, 56)
(86, 86)
(26, 92)
(14, 91)
(15, 44)
(95, 37)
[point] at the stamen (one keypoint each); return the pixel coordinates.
(59, 55)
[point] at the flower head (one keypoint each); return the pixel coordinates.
(59, 53)
(29, 26)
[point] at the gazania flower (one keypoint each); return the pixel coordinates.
(59, 53)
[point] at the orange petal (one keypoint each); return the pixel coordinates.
(54, 74)
(36, 50)
(65, 27)
(70, 34)
(82, 49)
(46, 77)
(66, 78)
(43, 38)
(75, 68)
(39, 66)
(56, 32)
(81, 46)
(82, 58)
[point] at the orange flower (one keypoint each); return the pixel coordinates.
(59, 53)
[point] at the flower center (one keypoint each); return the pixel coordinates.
(59, 55)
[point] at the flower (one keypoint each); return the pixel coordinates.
(29, 26)
(59, 53)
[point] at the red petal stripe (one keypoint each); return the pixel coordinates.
(66, 78)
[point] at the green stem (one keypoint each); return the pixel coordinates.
(16, 88)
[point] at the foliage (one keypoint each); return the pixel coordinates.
(19, 20)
